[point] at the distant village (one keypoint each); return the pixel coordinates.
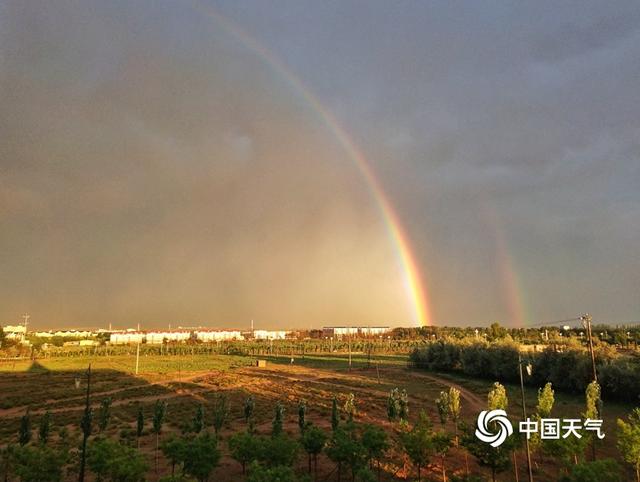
(134, 336)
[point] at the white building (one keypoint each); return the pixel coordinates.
(340, 331)
(65, 334)
(270, 334)
(218, 335)
(158, 337)
(126, 337)
(14, 332)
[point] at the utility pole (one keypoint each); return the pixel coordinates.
(586, 322)
(524, 417)
(138, 357)
(25, 317)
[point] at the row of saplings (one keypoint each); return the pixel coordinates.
(357, 450)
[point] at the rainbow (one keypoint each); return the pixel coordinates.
(412, 277)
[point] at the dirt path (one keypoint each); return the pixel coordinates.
(474, 401)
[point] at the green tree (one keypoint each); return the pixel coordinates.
(245, 448)
(139, 425)
(497, 459)
(497, 398)
(198, 419)
(259, 473)
(454, 409)
(159, 414)
(249, 406)
(403, 406)
(546, 400)
(115, 462)
(350, 407)
(442, 404)
(104, 414)
(314, 439)
(173, 449)
(7, 459)
(417, 443)
(393, 405)
(220, 413)
(345, 449)
(593, 409)
(24, 434)
(335, 416)
(302, 411)
(39, 464)
(441, 443)
(629, 440)
(45, 428)
(201, 456)
(278, 420)
(278, 450)
(596, 471)
(376, 443)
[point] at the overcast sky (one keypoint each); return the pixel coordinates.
(155, 168)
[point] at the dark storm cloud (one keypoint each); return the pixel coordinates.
(154, 169)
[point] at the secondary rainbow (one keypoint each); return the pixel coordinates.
(412, 276)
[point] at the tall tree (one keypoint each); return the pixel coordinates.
(313, 441)
(417, 443)
(159, 414)
(198, 419)
(454, 410)
(104, 414)
(24, 434)
(45, 428)
(220, 413)
(139, 425)
(375, 441)
(278, 420)
(201, 456)
(350, 407)
(497, 398)
(442, 404)
(335, 416)
(302, 411)
(629, 440)
(244, 448)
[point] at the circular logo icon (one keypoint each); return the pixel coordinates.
(501, 422)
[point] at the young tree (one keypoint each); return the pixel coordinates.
(441, 443)
(403, 406)
(110, 460)
(24, 435)
(139, 425)
(244, 448)
(345, 449)
(393, 405)
(376, 443)
(173, 449)
(249, 406)
(159, 413)
(607, 469)
(104, 414)
(45, 428)
(350, 407)
(454, 410)
(302, 411)
(546, 400)
(39, 464)
(259, 473)
(278, 450)
(497, 398)
(220, 413)
(497, 459)
(442, 404)
(313, 441)
(629, 440)
(335, 416)
(198, 419)
(417, 443)
(201, 456)
(593, 409)
(278, 420)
